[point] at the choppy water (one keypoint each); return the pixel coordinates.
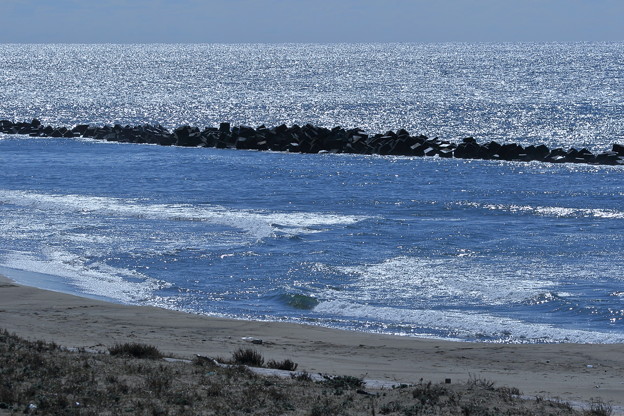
(471, 250)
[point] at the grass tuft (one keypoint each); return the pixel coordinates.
(136, 350)
(480, 382)
(599, 408)
(248, 357)
(287, 365)
(343, 382)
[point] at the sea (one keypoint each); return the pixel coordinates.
(468, 250)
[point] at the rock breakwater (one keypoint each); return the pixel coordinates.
(314, 139)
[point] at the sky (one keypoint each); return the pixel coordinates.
(322, 21)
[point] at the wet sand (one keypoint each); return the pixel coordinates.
(572, 372)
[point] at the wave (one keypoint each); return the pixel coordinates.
(466, 325)
(297, 300)
(558, 212)
(91, 278)
(257, 224)
(454, 280)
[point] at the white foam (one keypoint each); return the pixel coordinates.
(459, 279)
(431, 294)
(560, 212)
(257, 224)
(91, 278)
(467, 324)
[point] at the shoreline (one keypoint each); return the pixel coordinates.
(570, 372)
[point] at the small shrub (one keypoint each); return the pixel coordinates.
(303, 376)
(239, 372)
(324, 408)
(508, 393)
(202, 361)
(599, 408)
(248, 357)
(181, 399)
(287, 365)
(343, 382)
(158, 382)
(428, 393)
(136, 350)
(480, 382)
(390, 407)
(214, 390)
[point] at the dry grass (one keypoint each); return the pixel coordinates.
(136, 350)
(287, 365)
(248, 357)
(41, 379)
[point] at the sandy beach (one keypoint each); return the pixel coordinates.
(571, 372)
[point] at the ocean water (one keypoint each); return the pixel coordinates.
(456, 249)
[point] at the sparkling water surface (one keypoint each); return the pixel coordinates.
(470, 250)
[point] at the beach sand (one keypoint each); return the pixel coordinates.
(571, 372)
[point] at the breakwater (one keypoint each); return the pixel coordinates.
(314, 139)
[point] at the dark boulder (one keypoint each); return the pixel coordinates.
(468, 150)
(511, 151)
(489, 151)
(89, 132)
(25, 129)
(607, 158)
(209, 137)
(557, 155)
(246, 143)
(187, 136)
(111, 136)
(294, 147)
(390, 134)
(538, 153)
(431, 147)
(80, 129)
(618, 148)
(402, 133)
(402, 146)
(166, 139)
(418, 149)
(5, 125)
(56, 133)
(281, 129)
(385, 147)
(445, 152)
(224, 127)
(586, 155)
(247, 132)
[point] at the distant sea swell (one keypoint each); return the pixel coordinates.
(562, 95)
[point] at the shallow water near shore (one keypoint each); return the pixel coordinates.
(468, 250)
(457, 249)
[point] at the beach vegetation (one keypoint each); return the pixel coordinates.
(599, 408)
(39, 378)
(341, 383)
(390, 408)
(247, 356)
(287, 365)
(303, 376)
(480, 382)
(136, 350)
